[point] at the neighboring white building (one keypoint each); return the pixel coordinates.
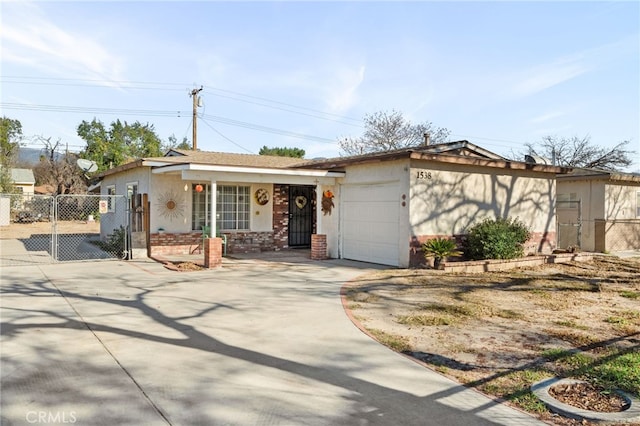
(599, 210)
(23, 180)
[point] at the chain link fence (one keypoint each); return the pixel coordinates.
(26, 229)
(45, 229)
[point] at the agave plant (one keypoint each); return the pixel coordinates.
(440, 248)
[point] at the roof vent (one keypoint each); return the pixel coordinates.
(536, 159)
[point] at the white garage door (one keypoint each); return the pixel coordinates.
(370, 223)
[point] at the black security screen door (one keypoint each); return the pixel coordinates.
(300, 216)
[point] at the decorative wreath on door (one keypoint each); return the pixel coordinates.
(301, 201)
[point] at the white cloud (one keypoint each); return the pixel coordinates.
(29, 38)
(546, 76)
(342, 91)
(546, 117)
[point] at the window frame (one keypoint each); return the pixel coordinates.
(198, 219)
(111, 192)
(132, 189)
(233, 206)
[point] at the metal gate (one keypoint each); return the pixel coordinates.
(569, 222)
(65, 228)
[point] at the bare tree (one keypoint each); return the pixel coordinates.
(59, 169)
(580, 152)
(387, 131)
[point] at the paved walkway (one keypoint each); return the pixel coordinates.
(253, 343)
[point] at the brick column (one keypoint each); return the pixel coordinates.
(319, 247)
(212, 252)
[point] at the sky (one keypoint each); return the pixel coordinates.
(304, 74)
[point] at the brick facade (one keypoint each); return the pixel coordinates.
(280, 216)
(212, 252)
(249, 242)
(319, 247)
(237, 242)
(167, 244)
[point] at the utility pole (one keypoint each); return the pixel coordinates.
(196, 104)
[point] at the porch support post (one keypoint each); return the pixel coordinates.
(318, 209)
(213, 244)
(212, 209)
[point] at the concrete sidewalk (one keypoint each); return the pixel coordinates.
(252, 343)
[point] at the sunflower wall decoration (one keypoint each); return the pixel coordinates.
(327, 202)
(169, 206)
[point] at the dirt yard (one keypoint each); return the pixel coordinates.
(25, 230)
(480, 328)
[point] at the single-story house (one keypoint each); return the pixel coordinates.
(599, 210)
(23, 180)
(374, 207)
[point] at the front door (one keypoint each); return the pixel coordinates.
(301, 200)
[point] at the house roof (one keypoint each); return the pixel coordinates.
(183, 156)
(45, 189)
(176, 156)
(23, 176)
(597, 174)
(458, 152)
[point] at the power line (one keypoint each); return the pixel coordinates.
(160, 113)
(266, 129)
(156, 86)
(215, 130)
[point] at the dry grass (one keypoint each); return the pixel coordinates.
(492, 330)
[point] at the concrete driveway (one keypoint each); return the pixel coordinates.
(253, 343)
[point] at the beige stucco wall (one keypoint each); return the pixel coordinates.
(261, 219)
(601, 201)
(446, 199)
(163, 188)
(328, 223)
(620, 201)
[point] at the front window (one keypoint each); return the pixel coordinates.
(233, 206)
(132, 189)
(568, 201)
(200, 202)
(111, 202)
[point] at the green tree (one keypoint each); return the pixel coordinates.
(387, 131)
(282, 152)
(120, 143)
(10, 137)
(581, 152)
(172, 143)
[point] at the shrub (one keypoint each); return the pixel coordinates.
(501, 238)
(440, 248)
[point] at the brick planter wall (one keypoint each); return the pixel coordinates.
(319, 247)
(539, 243)
(167, 244)
(212, 252)
(249, 242)
(477, 266)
